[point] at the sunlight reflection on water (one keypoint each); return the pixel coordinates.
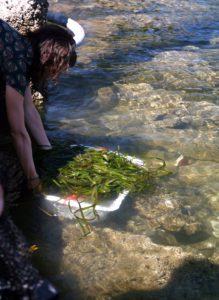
(133, 68)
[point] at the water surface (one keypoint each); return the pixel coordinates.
(146, 82)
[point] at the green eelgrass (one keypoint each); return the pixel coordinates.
(98, 175)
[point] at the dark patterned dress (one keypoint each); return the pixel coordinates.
(19, 280)
(15, 61)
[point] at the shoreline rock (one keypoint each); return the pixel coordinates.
(24, 15)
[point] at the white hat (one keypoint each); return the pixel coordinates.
(69, 23)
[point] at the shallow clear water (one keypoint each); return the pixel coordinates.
(146, 81)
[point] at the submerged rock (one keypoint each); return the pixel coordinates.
(109, 263)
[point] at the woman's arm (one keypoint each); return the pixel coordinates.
(22, 142)
(34, 122)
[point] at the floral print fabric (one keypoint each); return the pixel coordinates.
(15, 58)
(18, 278)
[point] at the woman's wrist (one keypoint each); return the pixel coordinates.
(34, 183)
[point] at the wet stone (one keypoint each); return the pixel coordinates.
(33, 13)
(110, 257)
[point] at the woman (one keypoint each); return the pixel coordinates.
(38, 56)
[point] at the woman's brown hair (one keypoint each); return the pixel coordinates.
(53, 52)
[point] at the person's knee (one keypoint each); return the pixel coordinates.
(1, 200)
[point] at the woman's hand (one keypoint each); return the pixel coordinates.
(34, 185)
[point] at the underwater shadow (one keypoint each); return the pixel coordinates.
(44, 233)
(193, 280)
(43, 230)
